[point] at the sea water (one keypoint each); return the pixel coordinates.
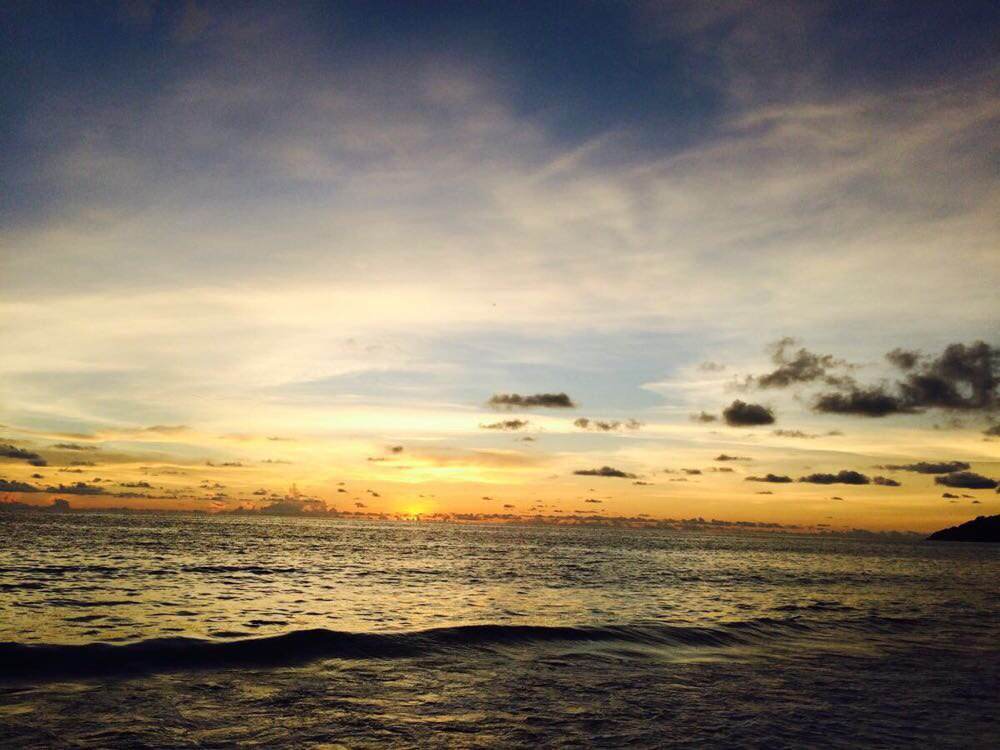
(150, 630)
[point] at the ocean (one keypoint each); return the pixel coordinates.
(149, 630)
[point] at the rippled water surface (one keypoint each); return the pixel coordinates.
(162, 630)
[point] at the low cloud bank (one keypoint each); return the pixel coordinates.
(604, 471)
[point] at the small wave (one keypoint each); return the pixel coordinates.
(31, 662)
(256, 570)
(54, 570)
(25, 586)
(819, 605)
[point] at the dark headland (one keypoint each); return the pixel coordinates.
(981, 529)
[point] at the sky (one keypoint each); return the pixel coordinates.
(724, 260)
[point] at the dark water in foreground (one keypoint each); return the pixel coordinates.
(167, 631)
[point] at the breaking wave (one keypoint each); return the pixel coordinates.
(30, 662)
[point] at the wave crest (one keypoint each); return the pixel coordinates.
(47, 661)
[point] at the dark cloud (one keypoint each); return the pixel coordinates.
(723, 469)
(742, 414)
(801, 366)
(993, 430)
(928, 467)
(604, 471)
(964, 378)
(15, 486)
(904, 359)
(506, 425)
(727, 457)
(691, 471)
(704, 417)
(395, 449)
(949, 496)
(774, 478)
(845, 476)
(865, 402)
(11, 451)
(966, 480)
(601, 426)
(885, 482)
(535, 400)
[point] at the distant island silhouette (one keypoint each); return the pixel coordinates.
(981, 529)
